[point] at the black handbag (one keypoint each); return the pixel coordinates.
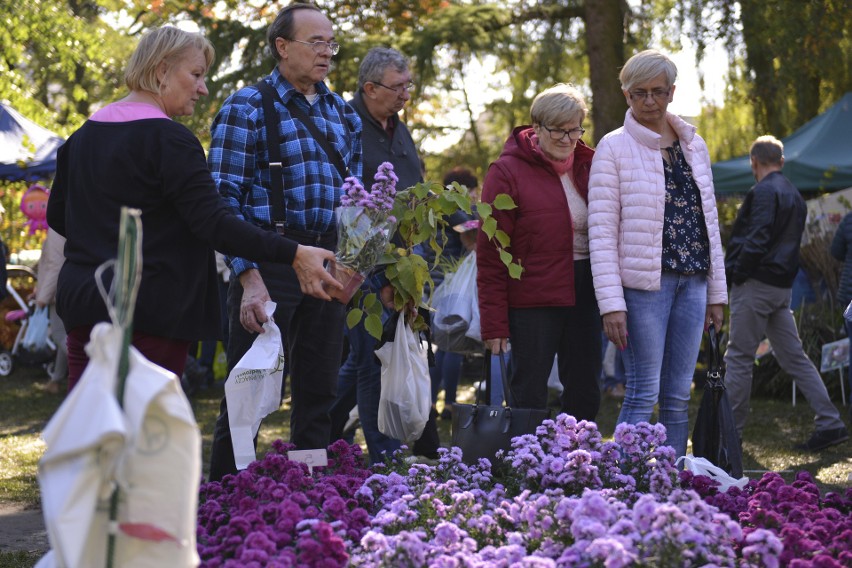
(481, 430)
(715, 434)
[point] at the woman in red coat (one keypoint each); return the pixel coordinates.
(551, 310)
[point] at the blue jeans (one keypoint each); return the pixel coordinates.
(664, 329)
(446, 372)
(364, 371)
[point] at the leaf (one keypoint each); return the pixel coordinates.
(369, 300)
(515, 270)
(504, 202)
(502, 238)
(506, 257)
(353, 318)
(489, 227)
(484, 210)
(373, 325)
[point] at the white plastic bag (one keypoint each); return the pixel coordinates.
(253, 388)
(703, 466)
(455, 324)
(406, 396)
(35, 337)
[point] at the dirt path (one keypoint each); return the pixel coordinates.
(22, 529)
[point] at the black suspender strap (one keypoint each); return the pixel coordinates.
(332, 154)
(273, 143)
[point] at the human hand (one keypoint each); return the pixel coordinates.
(386, 296)
(498, 345)
(311, 273)
(716, 316)
(253, 303)
(615, 327)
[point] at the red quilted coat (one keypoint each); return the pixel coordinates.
(540, 230)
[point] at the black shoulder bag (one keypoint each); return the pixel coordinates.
(480, 430)
(715, 434)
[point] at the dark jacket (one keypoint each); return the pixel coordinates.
(767, 234)
(841, 249)
(158, 167)
(376, 148)
(540, 230)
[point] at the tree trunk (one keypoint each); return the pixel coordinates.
(604, 21)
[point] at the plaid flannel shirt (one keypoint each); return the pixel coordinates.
(239, 158)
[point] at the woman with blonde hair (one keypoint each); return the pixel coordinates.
(551, 310)
(657, 259)
(131, 153)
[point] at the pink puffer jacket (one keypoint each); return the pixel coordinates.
(626, 206)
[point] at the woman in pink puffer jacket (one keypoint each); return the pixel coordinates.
(656, 253)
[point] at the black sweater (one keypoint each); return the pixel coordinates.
(159, 167)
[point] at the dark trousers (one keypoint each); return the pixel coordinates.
(313, 333)
(169, 354)
(573, 333)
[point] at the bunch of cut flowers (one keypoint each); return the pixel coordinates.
(364, 229)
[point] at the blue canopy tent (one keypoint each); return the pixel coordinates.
(27, 150)
(817, 157)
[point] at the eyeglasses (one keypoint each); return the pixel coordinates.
(656, 94)
(398, 89)
(557, 134)
(320, 46)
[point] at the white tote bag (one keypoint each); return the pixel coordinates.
(253, 388)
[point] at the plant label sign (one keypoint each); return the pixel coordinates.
(835, 355)
(312, 458)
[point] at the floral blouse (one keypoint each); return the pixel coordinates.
(686, 247)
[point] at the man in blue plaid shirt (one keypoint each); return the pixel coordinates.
(302, 41)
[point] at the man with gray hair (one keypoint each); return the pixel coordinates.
(384, 86)
(761, 262)
(279, 153)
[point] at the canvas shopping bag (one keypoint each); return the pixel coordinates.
(482, 430)
(253, 388)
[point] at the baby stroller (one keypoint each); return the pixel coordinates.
(16, 323)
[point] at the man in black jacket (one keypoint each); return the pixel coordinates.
(761, 261)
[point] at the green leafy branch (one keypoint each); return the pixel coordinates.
(502, 202)
(421, 212)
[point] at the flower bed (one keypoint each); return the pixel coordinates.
(562, 497)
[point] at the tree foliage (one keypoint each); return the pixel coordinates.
(789, 59)
(797, 56)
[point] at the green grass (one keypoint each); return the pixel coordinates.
(773, 427)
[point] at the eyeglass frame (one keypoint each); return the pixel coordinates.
(320, 46)
(565, 133)
(653, 93)
(406, 87)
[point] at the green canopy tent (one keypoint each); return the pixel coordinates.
(818, 156)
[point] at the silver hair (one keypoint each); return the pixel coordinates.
(376, 62)
(645, 66)
(557, 105)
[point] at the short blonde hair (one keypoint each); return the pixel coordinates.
(557, 105)
(645, 66)
(165, 44)
(767, 150)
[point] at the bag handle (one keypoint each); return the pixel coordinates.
(715, 372)
(507, 394)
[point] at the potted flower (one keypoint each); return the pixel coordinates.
(364, 228)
